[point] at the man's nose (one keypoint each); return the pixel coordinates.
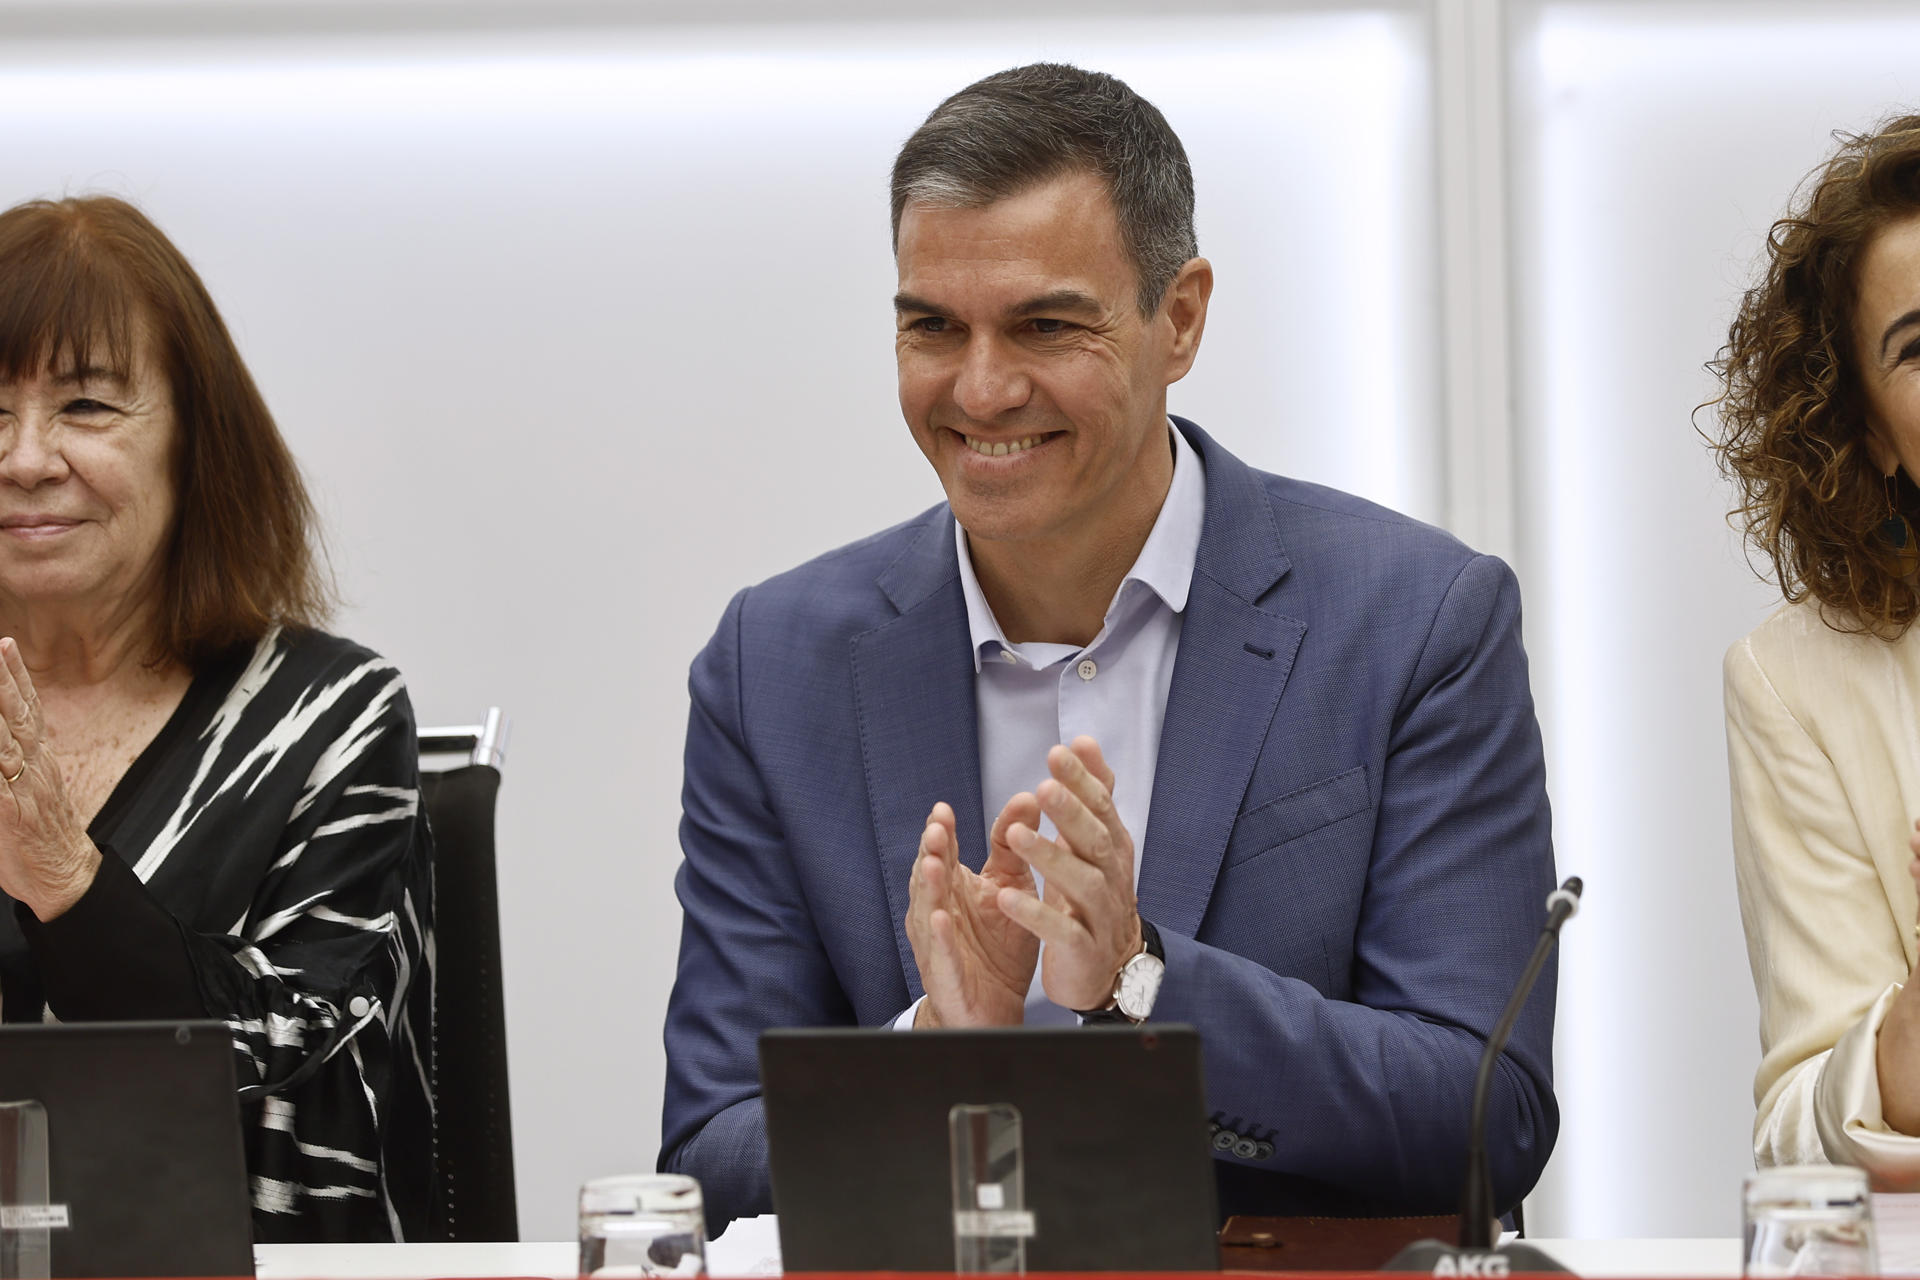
(30, 452)
(991, 380)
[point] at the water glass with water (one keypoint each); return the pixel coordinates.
(642, 1225)
(1809, 1220)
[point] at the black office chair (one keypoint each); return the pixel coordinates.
(473, 1124)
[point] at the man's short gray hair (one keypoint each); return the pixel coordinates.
(1019, 128)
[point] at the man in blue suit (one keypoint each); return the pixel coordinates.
(1124, 729)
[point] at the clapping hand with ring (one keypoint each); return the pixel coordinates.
(46, 859)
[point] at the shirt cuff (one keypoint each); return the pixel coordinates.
(905, 1021)
(115, 955)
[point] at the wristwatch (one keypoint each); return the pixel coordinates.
(1137, 984)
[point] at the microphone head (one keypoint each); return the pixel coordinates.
(1566, 898)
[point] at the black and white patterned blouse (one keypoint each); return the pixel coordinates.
(267, 864)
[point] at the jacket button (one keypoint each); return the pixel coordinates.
(1224, 1140)
(1263, 1151)
(1245, 1148)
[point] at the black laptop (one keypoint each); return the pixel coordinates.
(145, 1164)
(1116, 1172)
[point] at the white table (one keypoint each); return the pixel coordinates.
(407, 1261)
(1630, 1259)
(1626, 1259)
(748, 1247)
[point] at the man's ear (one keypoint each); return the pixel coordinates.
(1185, 309)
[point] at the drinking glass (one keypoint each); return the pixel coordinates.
(1809, 1220)
(642, 1225)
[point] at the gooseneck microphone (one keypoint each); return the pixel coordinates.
(1475, 1254)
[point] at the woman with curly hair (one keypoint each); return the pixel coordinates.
(1820, 430)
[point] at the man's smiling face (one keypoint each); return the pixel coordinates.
(1027, 374)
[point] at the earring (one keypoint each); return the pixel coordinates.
(1898, 534)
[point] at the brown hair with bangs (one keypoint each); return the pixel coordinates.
(1793, 426)
(81, 280)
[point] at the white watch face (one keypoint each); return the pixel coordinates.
(1139, 984)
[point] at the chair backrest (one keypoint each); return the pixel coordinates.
(473, 1124)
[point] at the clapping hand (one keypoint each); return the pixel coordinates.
(1088, 917)
(975, 963)
(46, 859)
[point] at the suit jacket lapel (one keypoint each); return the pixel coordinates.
(1234, 661)
(919, 737)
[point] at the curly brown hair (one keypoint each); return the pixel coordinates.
(77, 278)
(1793, 427)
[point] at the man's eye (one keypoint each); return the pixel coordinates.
(929, 324)
(1051, 327)
(87, 408)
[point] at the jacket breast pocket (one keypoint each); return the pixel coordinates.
(1298, 813)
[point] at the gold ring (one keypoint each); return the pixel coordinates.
(16, 774)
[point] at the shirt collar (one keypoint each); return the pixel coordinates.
(1164, 566)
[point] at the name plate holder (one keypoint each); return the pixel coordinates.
(991, 1223)
(26, 1216)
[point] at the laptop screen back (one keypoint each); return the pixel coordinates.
(1117, 1169)
(143, 1144)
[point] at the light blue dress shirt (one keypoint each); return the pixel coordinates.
(1032, 696)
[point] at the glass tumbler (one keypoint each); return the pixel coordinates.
(1809, 1220)
(642, 1224)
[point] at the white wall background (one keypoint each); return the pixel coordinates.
(576, 314)
(578, 318)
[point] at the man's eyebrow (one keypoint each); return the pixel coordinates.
(1058, 300)
(906, 302)
(1911, 318)
(1069, 300)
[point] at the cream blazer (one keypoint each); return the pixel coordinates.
(1823, 744)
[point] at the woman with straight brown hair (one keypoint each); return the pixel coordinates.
(208, 807)
(1820, 429)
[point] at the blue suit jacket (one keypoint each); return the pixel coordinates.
(1347, 855)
